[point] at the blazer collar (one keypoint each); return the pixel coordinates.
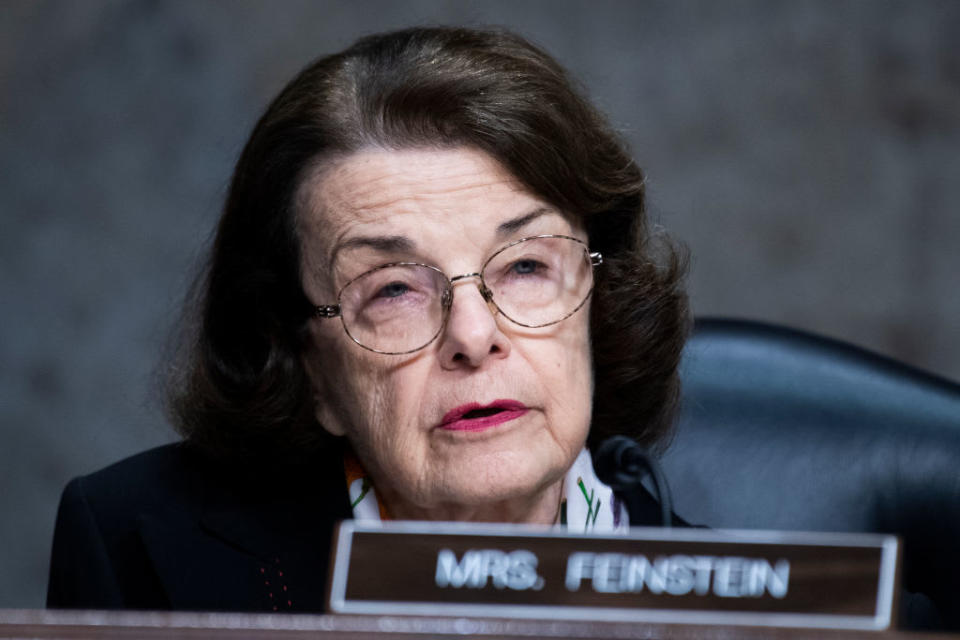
(212, 542)
(278, 510)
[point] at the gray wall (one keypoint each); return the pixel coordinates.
(808, 153)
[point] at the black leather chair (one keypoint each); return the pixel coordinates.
(785, 430)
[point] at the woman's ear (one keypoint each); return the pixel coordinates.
(322, 399)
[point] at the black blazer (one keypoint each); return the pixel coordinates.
(170, 529)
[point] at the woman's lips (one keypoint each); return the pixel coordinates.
(477, 417)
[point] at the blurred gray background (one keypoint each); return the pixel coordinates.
(807, 152)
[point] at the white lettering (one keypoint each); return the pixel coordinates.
(451, 573)
(704, 565)
(522, 574)
(515, 570)
(772, 579)
(634, 575)
(606, 572)
(657, 575)
(680, 575)
(727, 577)
(495, 567)
(579, 567)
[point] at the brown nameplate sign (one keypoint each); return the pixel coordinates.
(652, 575)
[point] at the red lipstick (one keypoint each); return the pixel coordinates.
(477, 417)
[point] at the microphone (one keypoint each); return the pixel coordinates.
(622, 464)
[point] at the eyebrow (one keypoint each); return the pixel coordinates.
(512, 226)
(400, 244)
(385, 244)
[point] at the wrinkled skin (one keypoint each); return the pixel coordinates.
(448, 204)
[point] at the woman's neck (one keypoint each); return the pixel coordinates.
(541, 508)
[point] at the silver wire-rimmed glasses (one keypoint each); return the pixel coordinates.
(401, 307)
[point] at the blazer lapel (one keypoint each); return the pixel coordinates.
(256, 546)
(198, 571)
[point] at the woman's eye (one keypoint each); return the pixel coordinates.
(526, 267)
(393, 290)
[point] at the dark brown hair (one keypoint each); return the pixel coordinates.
(239, 386)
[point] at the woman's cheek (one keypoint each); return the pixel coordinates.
(391, 413)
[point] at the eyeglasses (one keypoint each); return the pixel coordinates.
(402, 307)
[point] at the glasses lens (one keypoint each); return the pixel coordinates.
(394, 309)
(540, 281)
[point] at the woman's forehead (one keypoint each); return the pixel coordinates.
(421, 195)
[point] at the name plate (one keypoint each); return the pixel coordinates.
(651, 575)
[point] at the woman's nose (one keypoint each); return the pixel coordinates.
(472, 333)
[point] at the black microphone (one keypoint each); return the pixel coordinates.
(622, 464)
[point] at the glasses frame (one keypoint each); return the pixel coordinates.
(324, 311)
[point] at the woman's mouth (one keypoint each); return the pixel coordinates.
(477, 417)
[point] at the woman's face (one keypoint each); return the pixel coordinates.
(451, 209)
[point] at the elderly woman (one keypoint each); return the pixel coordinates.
(432, 290)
